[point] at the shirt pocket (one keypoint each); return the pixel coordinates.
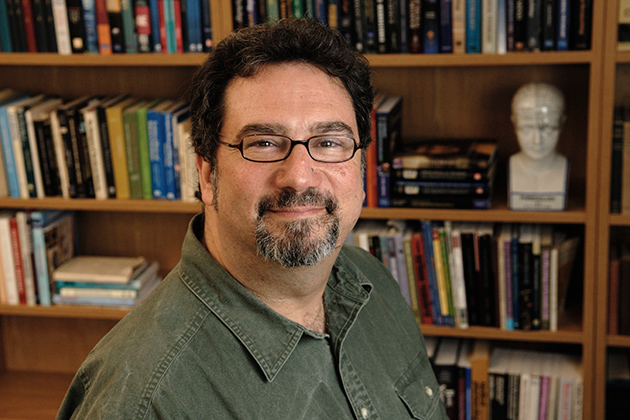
(419, 391)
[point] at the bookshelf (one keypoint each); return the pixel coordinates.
(615, 81)
(444, 96)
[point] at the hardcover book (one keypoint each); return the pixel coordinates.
(447, 154)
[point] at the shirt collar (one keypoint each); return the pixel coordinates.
(268, 336)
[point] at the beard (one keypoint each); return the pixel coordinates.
(297, 243)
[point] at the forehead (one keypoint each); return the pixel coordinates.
(287, 93)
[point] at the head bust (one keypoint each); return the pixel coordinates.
(538, 116)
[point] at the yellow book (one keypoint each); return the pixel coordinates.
(117, 145)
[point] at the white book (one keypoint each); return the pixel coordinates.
(100, 269)
(458, 283)
(62, 28)
(459, 26)
(26, 250)
(95, 149)
(30, 115)
(8, 264)
(489, 27)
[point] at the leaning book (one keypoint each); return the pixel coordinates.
(470, 154)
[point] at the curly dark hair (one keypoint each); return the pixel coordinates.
(245, 52)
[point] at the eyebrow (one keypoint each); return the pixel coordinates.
(316, 128)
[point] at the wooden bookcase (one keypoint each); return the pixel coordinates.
(444, 96)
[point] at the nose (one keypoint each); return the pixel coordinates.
(297, 171)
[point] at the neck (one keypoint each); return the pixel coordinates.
(295, 293)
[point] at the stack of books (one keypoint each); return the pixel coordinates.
(105, 281)
(457, 174)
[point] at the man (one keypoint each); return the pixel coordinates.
(538, 174)
(267, 316)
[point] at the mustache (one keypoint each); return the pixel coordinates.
(289, 198)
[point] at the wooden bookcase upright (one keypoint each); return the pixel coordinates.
(444, 96)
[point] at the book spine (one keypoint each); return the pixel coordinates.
(473, 26)
(106, 152)
(422, 281)
(26, 247)
(534, 25)
(130, 127)
(39, 23)
(430, 26)
(114, 13)
(96, 155)
(206, 26)
(616, 160)
(154, 122)
(29, 26)
(562, 31)
(427, 236)
(154, 9)
(459, 26)
(17, 261)
(415, 26)
(7, 151)
(489, 26)
(103, 30)
(6, 43)
(520, 25)
(548, 37)
(89, 19)
(33, 176)
(446, 26)
(118, 152)
(8, 265)
(76, 23)
(167, 154)
(381, 27)
(143, 25)
(143, 152)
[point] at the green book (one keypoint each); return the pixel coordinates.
(130, 125)
(143, 148)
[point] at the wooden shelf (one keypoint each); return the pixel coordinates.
(376, 60)
(562, 336)
(63, 311)
(618, 341)
(31, 395)
(145, 206)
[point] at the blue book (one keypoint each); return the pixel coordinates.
(154, 12)
(321, 11)
(53, 233)
(446, 26)
(7, 144)
(427, 238)
(169, 23)
(155, 130)
(6, 43)
(431, 26)
(193, 25)
(473, 26)
(168, 150)
(404, 25)
(89, 18)
(564, 18)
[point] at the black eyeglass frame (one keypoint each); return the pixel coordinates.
(239, 146)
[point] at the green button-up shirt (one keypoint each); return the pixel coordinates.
(202, 347)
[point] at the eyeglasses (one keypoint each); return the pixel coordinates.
(329, 148)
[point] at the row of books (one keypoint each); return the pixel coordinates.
(430, 173)
(104, 281)
(432, 26)
(506, 275)
(620, 161)
(484, 383)
(105, 26)
(95, 147)
(32, 245)
(619, 288)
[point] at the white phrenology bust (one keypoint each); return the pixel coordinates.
(538, 117)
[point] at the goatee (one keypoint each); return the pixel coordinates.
(297, 243)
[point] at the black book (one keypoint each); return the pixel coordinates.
(39, 23)
(16, 21)
(393, 28)
(345, 20)
(359, 26)
(549, 19)
(520, 25)
(526, 286)
(468, 238)
(47, 158)
(487, 274)
(415, 27)
(106, 151)
(534, 30)
(76, 24)
(580, 24)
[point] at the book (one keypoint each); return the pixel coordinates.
(623, 26)
(8, 259)
(130, 289)
(446, 373)
(108, 301)
(132, 146)
(62, 27)
(479, 364)
(156, 133)
(458, 282)
(9, 99)
(22, 219)
(616, 159)
(446, 26)
(617, 384)
(473, 26)
(447, 154)
(54, 242)
(563, 25)
(100, 269)
(407, 188)
(489, 27)
(117, 145)
(446, 175)
(422, 279)
(108, 165)
(487, 298)
(76, 23)
(430, 24)
(388, 136)
(90, 118)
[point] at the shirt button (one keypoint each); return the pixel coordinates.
(365, 413)
(429, 391)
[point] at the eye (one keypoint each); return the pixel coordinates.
(261, 143)
(329, 142)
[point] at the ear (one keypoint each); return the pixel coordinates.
(205, 182)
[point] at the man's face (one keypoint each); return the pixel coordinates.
(297, 210)
(537, 132)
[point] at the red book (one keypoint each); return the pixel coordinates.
(17, 260)
(179, 40)
(103, 28)
(29, 26)
(422, 279)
